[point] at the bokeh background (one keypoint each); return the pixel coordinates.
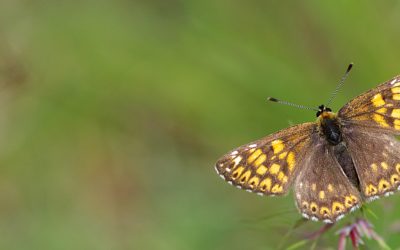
(112, 114)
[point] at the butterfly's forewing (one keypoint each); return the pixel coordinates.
(322, 190)
(376, 157)
(376, 109)
(267, 166)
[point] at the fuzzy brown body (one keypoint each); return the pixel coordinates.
(329, 127)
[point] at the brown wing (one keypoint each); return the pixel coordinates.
(369, 122)
(322, 190)
(377, 109)
(267, 166)
(376, 157)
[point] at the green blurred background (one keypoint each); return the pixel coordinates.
(112, 114)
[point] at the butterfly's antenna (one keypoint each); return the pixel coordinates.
(291, 104)
(340, 84)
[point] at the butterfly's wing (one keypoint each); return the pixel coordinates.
(369, 122)
(377, 109)
(376, 157)
(267, 166)
(322, 190)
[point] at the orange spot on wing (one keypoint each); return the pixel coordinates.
(260, 160)
(274, 169)
(265, 184)
(377, 100)
(396, 113)
(277, 146)
(261, 170)
(254, 156)
(380, 119)
(291, 161)
(253, 182)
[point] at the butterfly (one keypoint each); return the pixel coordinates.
(335, 164)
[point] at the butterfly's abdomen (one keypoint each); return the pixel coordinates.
(330, 128)
(346, 162)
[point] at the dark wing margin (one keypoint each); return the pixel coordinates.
(322, 190)
(267, 166)
(376, 109)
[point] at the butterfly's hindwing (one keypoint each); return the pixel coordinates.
(267, 166)
(376, 157)
(322, 190)
(378, 108)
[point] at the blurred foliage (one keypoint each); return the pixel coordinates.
(113, 113)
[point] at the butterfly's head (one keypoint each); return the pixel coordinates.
(325, 112)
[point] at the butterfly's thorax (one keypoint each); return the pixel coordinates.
(329, 127)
